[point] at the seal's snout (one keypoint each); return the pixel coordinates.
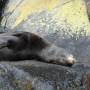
(70, 60)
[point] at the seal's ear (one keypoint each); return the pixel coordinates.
(24, 37)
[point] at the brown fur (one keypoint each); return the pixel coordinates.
(26, 46)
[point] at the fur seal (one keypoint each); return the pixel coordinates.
(26, 46)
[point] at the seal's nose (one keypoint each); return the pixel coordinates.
(70, 60)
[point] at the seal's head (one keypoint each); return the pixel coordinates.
(58, 55)
(68, 59)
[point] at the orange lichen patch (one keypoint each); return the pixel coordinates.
(25, 84)
(29, 86)
(87, 81)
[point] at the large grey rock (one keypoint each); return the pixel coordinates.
(32, 75)
(41, 76)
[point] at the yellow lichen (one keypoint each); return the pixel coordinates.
(72, 12)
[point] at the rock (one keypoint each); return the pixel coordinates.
(33, 75)
(2, 8)
(45, 17)
(88, 6)
(12, 78)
